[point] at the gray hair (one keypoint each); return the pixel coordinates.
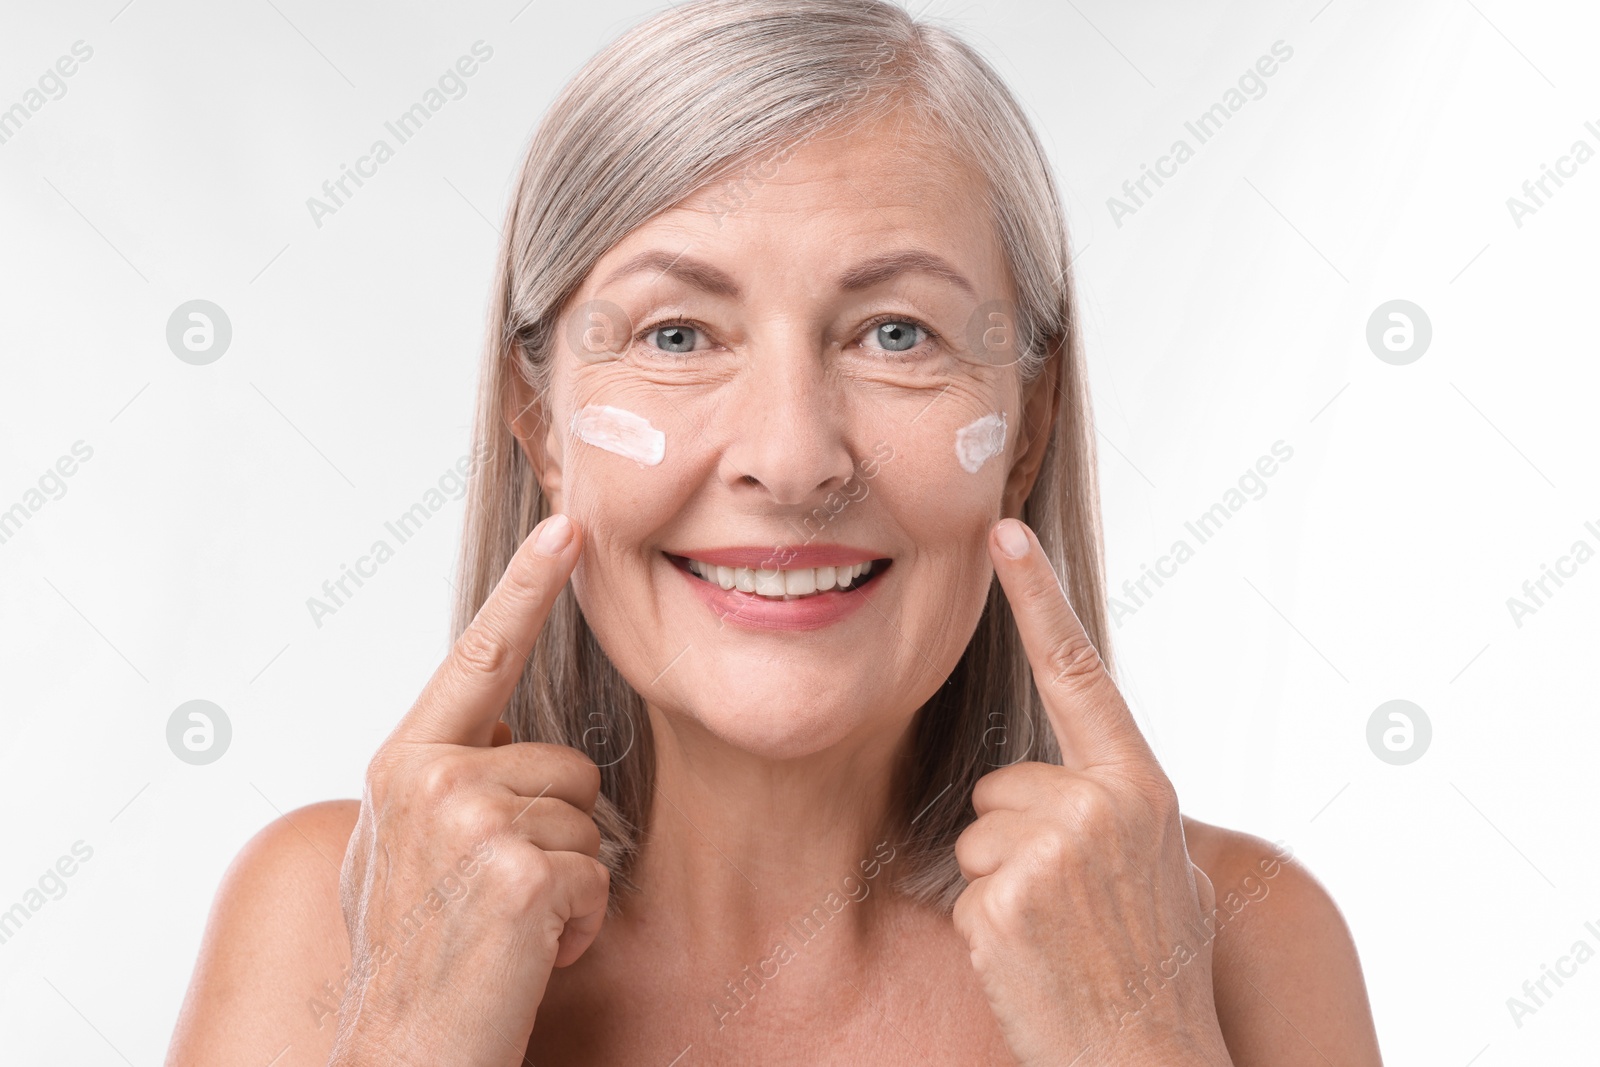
(717, 93)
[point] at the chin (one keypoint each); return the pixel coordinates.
(787, 716)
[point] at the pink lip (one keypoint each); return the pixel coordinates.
(755, 612)
(777, 557)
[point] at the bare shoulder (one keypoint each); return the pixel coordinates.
(1288, 980)
(273, 959)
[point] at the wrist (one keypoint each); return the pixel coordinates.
(1190, 1045)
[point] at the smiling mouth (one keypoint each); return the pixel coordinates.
(797, 583)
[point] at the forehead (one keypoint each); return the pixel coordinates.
(882, 185)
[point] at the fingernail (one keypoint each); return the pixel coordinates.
(554, 533)
(1012, 537)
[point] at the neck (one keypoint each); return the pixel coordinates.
(744, 851)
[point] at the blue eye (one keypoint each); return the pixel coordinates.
(898, 335)
(674, 338)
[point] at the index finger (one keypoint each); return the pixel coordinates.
(464, 698)
(1091, 720)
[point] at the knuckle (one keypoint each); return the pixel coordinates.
(480, 650)
(476, 817)
(1005, 905)
(1073, 660)
(529, 878)
(1042, 591)
(441, 778)
(1053, 846)
(524, 578)
(1091, 804)
(966, 846)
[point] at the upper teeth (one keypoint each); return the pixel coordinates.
(802, 581)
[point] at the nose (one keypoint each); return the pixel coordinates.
(787, 433)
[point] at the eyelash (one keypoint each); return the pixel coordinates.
(931, 335)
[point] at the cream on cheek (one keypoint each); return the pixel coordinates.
(613, 457)
(971, 488)
(619, 431)
(980, 441)
(621, 486)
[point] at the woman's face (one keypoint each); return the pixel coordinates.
(801, 370)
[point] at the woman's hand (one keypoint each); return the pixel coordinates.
(1083, 912)
(472, 868)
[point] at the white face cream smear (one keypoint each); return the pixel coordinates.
(620, 431)
(978, 441)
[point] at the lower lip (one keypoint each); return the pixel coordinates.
(757, 612)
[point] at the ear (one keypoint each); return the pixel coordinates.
(529, 420)
(1041, 403)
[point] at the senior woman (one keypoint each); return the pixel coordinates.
(780, 725)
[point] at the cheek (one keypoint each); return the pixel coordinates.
(942, 516)
(628, 453)
(957, 452)
(632, 462)
(620, 482)
(944, 488)
(621, 432)
(981, 440)
(943, 512)
(950, 490)
(621, 505)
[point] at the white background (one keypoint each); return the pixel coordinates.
(1228, 313)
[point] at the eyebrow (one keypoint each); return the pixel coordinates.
(864, 275)
(888, 265)
(695, 272)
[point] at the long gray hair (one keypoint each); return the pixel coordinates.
(716, 93)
